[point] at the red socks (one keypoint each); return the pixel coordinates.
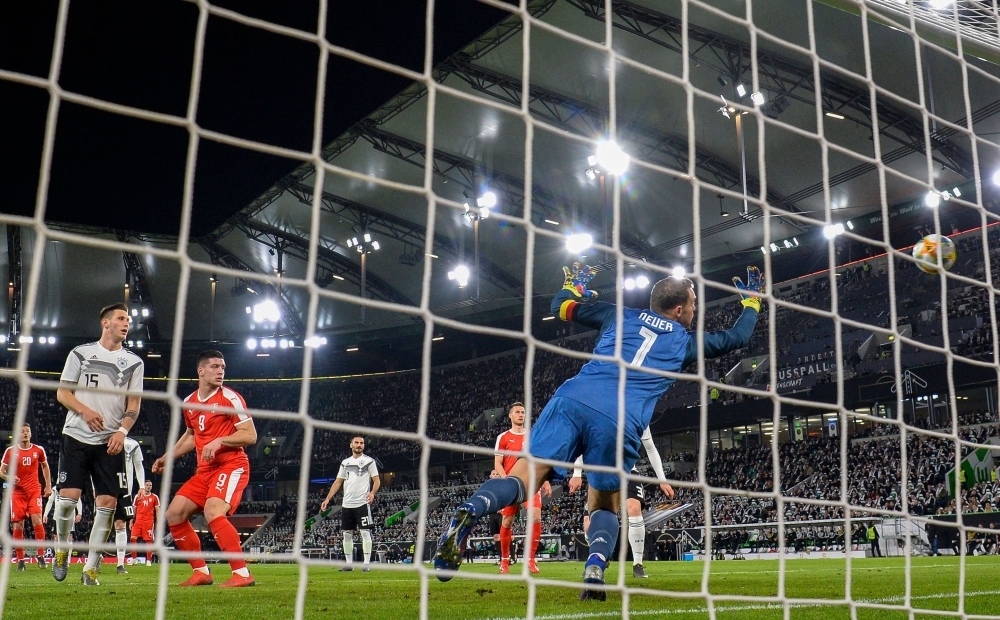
(228, 540)
(19, 535)
(506, 534)
(186, 539)
(133, 540)
(40, 535)
(536, 536)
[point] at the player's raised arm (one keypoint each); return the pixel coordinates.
(722, 342)
(575, 303)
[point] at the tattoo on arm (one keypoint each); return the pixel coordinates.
(132, 413)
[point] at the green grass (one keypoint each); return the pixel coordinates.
(479, 594)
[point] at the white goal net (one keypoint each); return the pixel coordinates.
(825, 142)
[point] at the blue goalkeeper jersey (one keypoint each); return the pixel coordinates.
(649, 340)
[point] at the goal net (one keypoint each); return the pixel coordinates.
(831, 144)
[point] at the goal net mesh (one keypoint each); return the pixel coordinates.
(815, 472)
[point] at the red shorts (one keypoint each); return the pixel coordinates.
(143, 530)
(24, 504)
(536, 502)
(224, 481)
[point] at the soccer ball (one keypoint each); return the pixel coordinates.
(926, 251)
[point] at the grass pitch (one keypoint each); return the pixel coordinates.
(480, 594)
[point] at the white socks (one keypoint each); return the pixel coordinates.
(636, 538)
(65, 507)
(98, 535)
(121, 539)
(349, 547)
(366, 545)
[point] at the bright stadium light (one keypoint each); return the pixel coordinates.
(996, 177)
(43, 340)
(629, 284)
(757, 98)
(487, 201)
(284, 343)
(741, 90)
(642, 281)
(314, 342)
(611, 157)
(957, 192)
(135, 312)
(460, 274)
(266, 310)
(932, 199)
(579, 242)
(145, 312)
(251, 343)
(833, 230)
(138, 344)
(678, 272)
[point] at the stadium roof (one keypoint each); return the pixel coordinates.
(252, 211)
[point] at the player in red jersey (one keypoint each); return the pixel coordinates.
(223, 470)
(147, 512)
(27, 498)
(513, 441)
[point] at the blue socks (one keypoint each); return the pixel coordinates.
(603, 534)
(496, 494)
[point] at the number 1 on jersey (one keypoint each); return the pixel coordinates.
(648, 338)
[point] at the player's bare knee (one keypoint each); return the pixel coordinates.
(106, 501)
(215, 508)
(633, 507)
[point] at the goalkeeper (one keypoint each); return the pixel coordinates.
(582, 417)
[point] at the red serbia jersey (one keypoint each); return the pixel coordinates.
(509, 440)
(209, 425)
(145, 507)
(27, 466)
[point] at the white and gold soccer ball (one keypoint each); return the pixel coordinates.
(926, 252)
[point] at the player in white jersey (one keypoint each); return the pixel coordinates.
(635, 502)
(125, 511)
(97, 424)
(359, 477)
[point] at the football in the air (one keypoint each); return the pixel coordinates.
(926, 252)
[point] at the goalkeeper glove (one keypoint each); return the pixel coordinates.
(577, 279)
(755, 287)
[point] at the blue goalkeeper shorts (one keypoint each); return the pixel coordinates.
(568, 428)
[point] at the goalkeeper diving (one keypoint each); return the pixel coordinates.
(581, 419)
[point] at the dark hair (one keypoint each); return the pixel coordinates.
(106, 310)
(669, 293)
(25, 424)
(204, 356)
(514, 404)
(353, 437)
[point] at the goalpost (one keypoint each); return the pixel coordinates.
(964, 34)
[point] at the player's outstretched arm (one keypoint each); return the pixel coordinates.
(575, 303)
(722, 342)
(656, 462)
(184, 445)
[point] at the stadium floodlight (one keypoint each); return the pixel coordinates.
(375, 245)
(25, 339)
(850, 225)
(578, 242)
(284, 343)
(741, 90)
(249, 310)
(757, 98)
(611, 157)
(833, 230)
(487, 201)
(678, 272)
(642, 281)
(145, 312)
(43, 340)
(138, 344)
(266, 310)
(52, 340)
(368, 238)
(957, 192)
(629, 284)
(460, 274)
(135, 312)
(932, 199)
(763, 250)
(251, 343)
(314, 342)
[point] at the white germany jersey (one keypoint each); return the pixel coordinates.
(357, 474)
(94, 367)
